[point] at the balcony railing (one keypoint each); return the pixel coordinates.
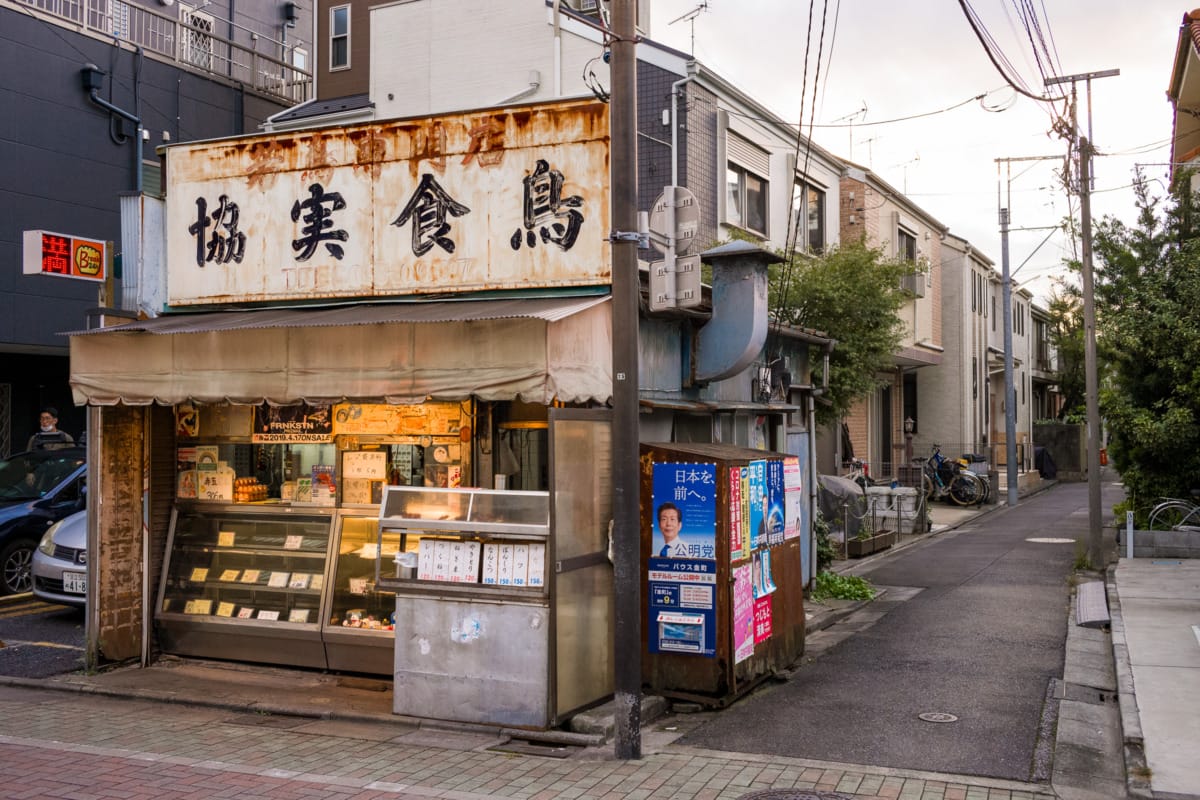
(190, 43)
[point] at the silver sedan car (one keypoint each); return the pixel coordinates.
(60, 562)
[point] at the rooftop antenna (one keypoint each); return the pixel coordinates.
(860, 114)
(691, 17)
(914, 160)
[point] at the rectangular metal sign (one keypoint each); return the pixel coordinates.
(64, 255)
(495, 199)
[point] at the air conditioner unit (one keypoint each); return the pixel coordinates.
(914, 284)
(584, 6)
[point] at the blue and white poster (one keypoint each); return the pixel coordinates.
(757, 471)
(774, 522)
(683, 606)
(685, 511)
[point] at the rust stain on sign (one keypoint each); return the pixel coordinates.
(511, 198)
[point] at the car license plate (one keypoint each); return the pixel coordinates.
(75, 582)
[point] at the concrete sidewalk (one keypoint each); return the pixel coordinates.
(1155, 605)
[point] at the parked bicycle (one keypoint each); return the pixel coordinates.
(860, 473)
(943, 477)
(1173, 513)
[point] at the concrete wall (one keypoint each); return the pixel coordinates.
(1164, 544)
(1067, 445)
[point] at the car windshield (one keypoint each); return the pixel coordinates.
(28, 476)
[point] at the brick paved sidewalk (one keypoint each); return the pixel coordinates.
(57, 744)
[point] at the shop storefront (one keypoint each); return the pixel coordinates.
(435, 319)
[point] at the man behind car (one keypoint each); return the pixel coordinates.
(49, 437)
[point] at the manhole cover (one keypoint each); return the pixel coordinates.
(1050, 540)
(792, 794)
(937, 716)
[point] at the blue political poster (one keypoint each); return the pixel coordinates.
(685, 511)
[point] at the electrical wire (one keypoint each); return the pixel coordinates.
(921, 115)
(996, 56)
(792, 223)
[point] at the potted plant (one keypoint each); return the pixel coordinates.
(868, 542)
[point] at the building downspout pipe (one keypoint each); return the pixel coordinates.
(93, 95)
(676, 87)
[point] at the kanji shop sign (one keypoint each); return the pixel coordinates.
(514, 198)
(63, 255)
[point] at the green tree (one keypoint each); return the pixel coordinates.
(1148, 326)
(851, 294)
(1065, 307)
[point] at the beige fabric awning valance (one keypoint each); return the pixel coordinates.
(537, 349)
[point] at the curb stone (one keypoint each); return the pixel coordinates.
(1137, 771)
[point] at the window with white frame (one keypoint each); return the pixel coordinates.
(339, 37)
(808, 210)
(745, 199)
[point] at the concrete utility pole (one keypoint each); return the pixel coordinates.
(627, 542)
(1010, 408)
(1010, 394)
(1091, 380)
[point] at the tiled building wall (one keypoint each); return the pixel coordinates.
(697, 143)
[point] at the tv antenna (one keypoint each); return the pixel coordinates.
(691, 17)
(860, 115)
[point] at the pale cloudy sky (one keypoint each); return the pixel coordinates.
(909, 57)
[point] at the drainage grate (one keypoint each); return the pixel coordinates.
(528, 748)
(937, 716)
(792, 794)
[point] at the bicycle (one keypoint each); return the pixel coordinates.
(941, 477)
(1173, 513)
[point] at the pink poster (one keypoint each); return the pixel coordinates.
(793, 497)
(762, 619)
(735, 513)
(743, 614)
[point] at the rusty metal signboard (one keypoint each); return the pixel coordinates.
(497, 199)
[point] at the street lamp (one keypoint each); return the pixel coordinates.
(909, 424)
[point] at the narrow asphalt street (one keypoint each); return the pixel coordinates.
(972, 625)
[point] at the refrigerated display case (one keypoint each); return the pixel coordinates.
(275, 584)
(245, 583)
(358, 624)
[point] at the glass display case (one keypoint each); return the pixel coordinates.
(358, 630)
(245, 583)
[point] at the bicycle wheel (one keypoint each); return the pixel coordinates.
(986, 486)
(1168, 514)
(928, 487)
(966, 489)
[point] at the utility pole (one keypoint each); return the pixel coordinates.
(1010, 393)
(627, 548)
(1010, 408)
(1091, 383)
(1091, 380)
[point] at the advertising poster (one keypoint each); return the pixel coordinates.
(292, 424)
(682, 599)
(773, 500)
(758, 495)
(685, 511)
(793, 497)
(736, 542)
(744, 516)
(762, 619)
(743, 614)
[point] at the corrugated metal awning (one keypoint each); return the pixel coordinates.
(535, 349)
